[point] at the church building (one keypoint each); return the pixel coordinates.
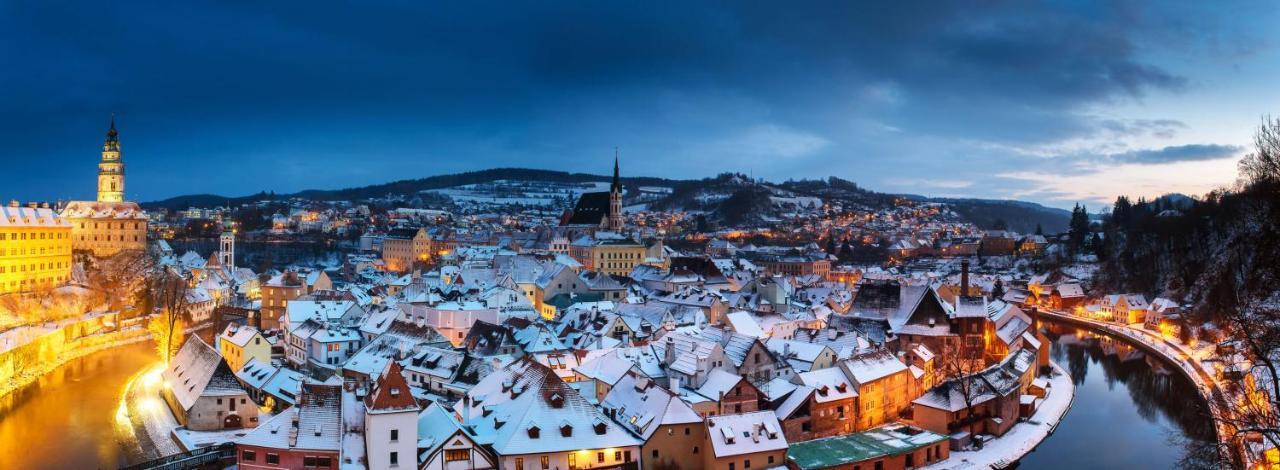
(598, 210)
(110, 224)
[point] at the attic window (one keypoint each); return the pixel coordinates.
(556, 400)
(566, 430)
(600, 428)
(534, 432)
(395, 391)
(841, 387)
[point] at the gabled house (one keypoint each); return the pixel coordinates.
(202, 391)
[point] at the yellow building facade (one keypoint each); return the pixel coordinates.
(35, 249)
(402, 247)
(616, 257)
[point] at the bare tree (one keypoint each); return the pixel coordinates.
(122, 277)
(169, 298)
(960, 368)
(1263, 165)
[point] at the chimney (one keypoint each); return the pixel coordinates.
(964, 278)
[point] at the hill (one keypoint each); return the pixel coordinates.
(732, 198)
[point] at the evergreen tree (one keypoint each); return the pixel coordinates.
(1039, 230)
(997, 290)
(1078, 228)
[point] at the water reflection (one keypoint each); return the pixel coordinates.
(67, 418)
(1130, 411)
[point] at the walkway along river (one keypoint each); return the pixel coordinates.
(1131, 410)
(67, 419)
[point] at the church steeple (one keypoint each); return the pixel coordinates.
(614, 220)
(111, 169)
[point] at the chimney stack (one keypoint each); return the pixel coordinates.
(964, 278)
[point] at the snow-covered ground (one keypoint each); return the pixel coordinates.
(1024, 436)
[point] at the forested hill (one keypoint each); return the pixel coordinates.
(730, 197)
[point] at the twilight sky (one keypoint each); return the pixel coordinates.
(1055, 103)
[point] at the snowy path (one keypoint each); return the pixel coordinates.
(1003, 451)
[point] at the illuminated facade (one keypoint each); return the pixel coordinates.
(35, 248)
(110, 224)
(402, 247)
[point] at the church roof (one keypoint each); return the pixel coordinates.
(592, 209)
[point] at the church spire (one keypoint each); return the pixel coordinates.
(111, 169)
(617, 180)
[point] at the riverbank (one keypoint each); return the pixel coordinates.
(78, 348)
(1188, 362)
(1024, 437)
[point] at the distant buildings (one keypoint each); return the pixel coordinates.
(401, 248)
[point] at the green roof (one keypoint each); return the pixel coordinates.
(875, 443)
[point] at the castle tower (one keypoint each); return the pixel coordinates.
(227, 247)
(615, 198)
(111, 168)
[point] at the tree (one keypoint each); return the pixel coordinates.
(961, 369)
(997, 290)
(1078, 228)
(831, 244)
(1263, 164)
(1039, 230)
(169, 297)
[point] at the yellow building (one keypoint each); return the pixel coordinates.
(403, 246)
(617, 257)
(110, 224)
(238, 344)
(35, 248)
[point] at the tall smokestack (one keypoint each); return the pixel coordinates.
(964, 278)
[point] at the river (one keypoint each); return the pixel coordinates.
(1131, 411)
(67, 419)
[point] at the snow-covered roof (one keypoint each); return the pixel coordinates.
(747, 433)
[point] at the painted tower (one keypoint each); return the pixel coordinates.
(111, 168)
(227, 247)
(615, 198)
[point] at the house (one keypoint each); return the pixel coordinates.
(443, 444)
(671, 432)
(744, 441)
(240, 344)
(390, 421)
(882, 381)
(833, 404)
(274, 387)
(532, 419)
(1066, 297)
(308, 435)
(889, 447)
(202, 391)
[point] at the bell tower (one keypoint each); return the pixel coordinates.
(615, 198)
(111, 168)
(227, 247)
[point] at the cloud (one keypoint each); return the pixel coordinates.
(1178, 153)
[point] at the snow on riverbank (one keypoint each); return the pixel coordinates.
(1024, 436)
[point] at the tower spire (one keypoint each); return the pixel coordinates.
(617, 180)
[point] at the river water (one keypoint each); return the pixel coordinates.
(1131, 411)
(67, 419)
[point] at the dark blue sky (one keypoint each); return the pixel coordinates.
(1053, 102)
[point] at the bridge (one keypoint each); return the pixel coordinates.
(203, 457)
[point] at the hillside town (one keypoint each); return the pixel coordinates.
(548, 325)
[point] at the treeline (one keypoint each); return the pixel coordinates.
(1219, 253)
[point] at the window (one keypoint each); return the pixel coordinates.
(879, 465)
(655, 453)
(455, 455)
(770, 459)
(573, 460)
(546, 462)
(249, 455)
(746, 463)
(626, 456)
(695, 449)
(395, 458)
(519, 463)
(309, 461)
(273, 459)
(395, 435)
(686, 430)
(731, 467)
(617, 456)
(600, 457)
(324, 462)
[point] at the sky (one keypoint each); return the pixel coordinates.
(1052, 102)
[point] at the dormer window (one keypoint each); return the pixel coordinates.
(557, 401)
(566, 430)
(600, 428)
(534, 432)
